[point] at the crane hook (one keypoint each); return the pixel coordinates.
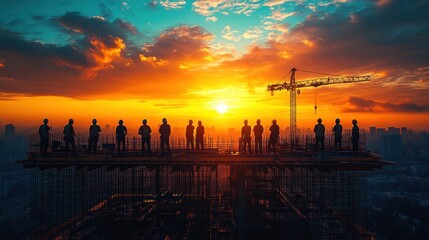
(315, 101)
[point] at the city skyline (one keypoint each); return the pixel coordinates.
(212, 60)
(178, 132)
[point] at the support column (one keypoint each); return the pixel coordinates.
(241, 188)
(157, 181)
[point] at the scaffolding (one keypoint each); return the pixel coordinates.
(201, 195)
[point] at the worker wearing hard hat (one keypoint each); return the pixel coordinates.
(257, 131)
(94, 133)
(245, 136)
(319, 130)
(355, 135)
(144, 132)
(69, 136)
(165, 131)
(337, 130)
(44, 137)
(199, 136)
(190, 135)
(121, 132)
(274, 137)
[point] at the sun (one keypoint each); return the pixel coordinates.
(221, 108)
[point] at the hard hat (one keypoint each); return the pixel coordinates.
(258, 121)
(190, 121)
(337, 120)
(319, 120)
(94, 121)
(45, 121)
(354, 121)
(120, 121)
(164, 120)
(245, 121)
(71, 121)
(199, 122)
(144, 121)
(274, 121)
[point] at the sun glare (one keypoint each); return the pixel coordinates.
(221, 108)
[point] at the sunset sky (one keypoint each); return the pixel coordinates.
(212, 60)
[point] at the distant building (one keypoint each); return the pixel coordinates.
(393, 131)
(9, 132)
(372, 131)
(391, 146)
(380, 131)
(404, 131)
(371, 141)
(404, 134)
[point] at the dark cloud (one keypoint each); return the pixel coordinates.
(393, 35)
(95, 27)
(183, 43)
(49, 69)
(361, 105)
(13, 43)
(126, 27)
(364, 105)
(407, 107)
(92, 32)
(99, 60)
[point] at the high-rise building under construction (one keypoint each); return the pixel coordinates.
(206, 194)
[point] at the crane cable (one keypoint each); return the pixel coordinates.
(315, 89)
(282, 78)
(319, 73)
(315, 100)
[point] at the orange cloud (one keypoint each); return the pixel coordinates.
(153, 60)
(184, 45)
(308, 43)
(183, 73)
(102, 55)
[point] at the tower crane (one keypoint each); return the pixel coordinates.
(292, 86)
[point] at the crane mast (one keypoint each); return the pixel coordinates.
(292, 87)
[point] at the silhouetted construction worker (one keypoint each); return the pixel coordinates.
(94, 133)
(355, 135)
(199, 136)
(121, 132)
(190, 135)
(144, 132)
(44, 137)
(257, 131)
(338, 134)
(165, 131)
(274, 137)
(69, 136)
(319, 130)
(245, 136)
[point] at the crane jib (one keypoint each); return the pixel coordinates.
(292, 86)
